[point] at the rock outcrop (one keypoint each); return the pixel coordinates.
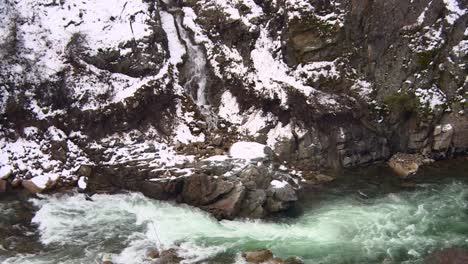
(227, 189)
(150, 89)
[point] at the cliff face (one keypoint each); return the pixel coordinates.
(160, 84)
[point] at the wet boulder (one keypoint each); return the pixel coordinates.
(168, 256)
(31, 186)
(203, 189)
(281, 195)
(153, 253)
(228, 207)
(405, 165)
(253, 204)
(258, 256)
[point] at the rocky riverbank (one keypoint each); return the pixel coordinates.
(325, 85)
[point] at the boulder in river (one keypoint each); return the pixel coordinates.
(31, 187)
(281, 195)
(228, 207)
(203, 189)
(153, 253)
(405, 165)
(168, 256)
(258, 256)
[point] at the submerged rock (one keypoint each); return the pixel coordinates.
(153, 253)
(405, 165)
(293, 260)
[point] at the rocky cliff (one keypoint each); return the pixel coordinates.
(138, 88)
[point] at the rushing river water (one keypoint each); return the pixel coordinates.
(397, 227)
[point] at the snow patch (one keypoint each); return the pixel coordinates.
(278, 184)
(82, 183)
(279, 133)
(229, 108)
(248, 150)
(5, 171)
(176, 48)
(455, 11)
(432, 97)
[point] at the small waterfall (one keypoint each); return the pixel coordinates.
(196, 71)
(196, 65)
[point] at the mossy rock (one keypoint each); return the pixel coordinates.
(425, 58)
(402, 103)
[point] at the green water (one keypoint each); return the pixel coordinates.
(395, 225)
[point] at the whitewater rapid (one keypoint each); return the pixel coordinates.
(399, 228)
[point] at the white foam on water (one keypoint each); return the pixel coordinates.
(401, 227)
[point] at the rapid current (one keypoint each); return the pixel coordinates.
(341, 227)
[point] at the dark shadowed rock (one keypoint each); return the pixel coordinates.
(31, 187)
(203, 189)
(253, 203)
(228, 206)
(85, 170)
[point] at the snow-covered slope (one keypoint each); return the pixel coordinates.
(162, 84)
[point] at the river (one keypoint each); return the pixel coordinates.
(341, 225)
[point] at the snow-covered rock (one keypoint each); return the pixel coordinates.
(249, 150)
(82, 183)
(5, 172)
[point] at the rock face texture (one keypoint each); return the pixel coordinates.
(227, 189)
(135, 88)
